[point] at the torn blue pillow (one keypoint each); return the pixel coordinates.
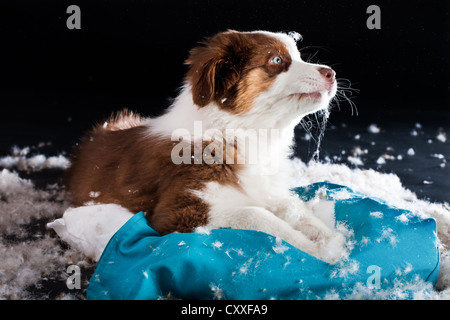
(395, 254)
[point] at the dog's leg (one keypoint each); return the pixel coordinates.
(260, 219)
(304, 217)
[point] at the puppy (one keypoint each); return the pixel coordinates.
(218, 156)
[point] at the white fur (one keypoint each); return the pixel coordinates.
(266, 204)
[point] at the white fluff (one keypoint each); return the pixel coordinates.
(89, 228)
(24, 264)
(19, 159)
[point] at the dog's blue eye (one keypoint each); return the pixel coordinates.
(276, 60)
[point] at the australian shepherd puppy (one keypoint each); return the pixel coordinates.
(218, 157)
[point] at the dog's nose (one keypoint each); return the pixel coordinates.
(328, 73)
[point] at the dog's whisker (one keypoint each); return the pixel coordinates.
(344, 93)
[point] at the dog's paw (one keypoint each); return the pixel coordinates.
(330, 250)
(314, 228)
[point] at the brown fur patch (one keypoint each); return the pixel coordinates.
(228, 66)
(136, 171)
(256, 82)
(125, 119)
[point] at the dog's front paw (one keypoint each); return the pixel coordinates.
(314, 228)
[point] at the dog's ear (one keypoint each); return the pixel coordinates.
(215, 67)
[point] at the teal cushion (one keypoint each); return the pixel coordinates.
(393, 248)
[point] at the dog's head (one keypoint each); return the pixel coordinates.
(258, 72)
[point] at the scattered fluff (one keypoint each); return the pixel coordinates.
(89, 228)
(389, 188)
(32, 256)
(22, 203)
(21, 160)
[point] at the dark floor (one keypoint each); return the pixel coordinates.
(414, 146)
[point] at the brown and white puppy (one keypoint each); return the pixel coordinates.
(218, 157)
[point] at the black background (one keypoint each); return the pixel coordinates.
(131, 53)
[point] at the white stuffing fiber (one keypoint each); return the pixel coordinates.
(375, 184)
(389, 188)
(34, 260)
(89, 228)
(22, 160)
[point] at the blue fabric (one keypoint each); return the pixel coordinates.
(391, 247)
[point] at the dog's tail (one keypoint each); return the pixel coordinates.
(122, 120)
